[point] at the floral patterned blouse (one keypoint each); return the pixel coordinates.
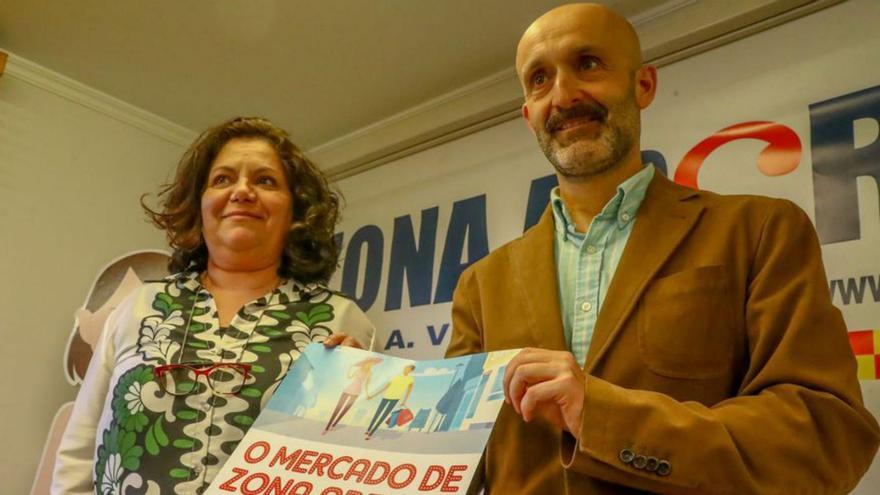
(127, 435)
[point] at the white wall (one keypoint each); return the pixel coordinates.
(70, 179)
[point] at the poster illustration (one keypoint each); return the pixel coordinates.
(347, 422)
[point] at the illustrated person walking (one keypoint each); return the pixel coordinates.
(359, 373)
(398, 389)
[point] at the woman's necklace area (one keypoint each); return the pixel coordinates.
(212, 287)
(206, 284)
(209, 285)
(234, 299)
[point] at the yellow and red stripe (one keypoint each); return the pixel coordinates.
(866, 346)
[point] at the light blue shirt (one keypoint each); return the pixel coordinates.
(586, 262)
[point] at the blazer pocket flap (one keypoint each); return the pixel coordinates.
(685, 324)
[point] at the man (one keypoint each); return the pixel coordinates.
(397, 388)
(677, 341)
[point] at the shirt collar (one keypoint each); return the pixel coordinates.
(294, 290)
(623, 206)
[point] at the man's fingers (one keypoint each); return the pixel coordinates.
(559, 400)
(524, 356)
(531, 355)
(527, 375)
(541, 395)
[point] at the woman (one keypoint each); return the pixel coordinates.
(359, 373)
(186, 364)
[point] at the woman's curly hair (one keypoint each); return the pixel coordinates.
(310, 255)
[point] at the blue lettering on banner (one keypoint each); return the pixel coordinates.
(467, 240)
(656, 159)
(432, 334)
(837, 162)
(368, 237)
(468, 221)
(539, 196)
(415, 261)
(395, 339)
(437, 337)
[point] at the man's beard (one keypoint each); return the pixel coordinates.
(584, 156)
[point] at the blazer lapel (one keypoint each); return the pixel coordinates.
(664, 219)
(534, 267)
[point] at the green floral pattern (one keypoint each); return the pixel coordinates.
(177, 444)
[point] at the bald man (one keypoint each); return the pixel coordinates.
(677, 341)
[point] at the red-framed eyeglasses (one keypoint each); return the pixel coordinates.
(183, 379)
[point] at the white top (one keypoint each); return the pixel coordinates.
(125, 431)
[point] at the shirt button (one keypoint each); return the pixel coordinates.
(591, 249)
(586, 307)
(625, 216)
(198, 469)
(206, 406)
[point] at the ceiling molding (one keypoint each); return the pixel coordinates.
(65, 87)
(709, 24)
(671, 32)
(437, 137)
(659, 11)
(445, 115)
(490, 83)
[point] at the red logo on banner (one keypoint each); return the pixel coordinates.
(781, 155)
(866, 346)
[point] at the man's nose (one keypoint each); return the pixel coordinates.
(567, 90)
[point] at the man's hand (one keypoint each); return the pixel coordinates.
(342, 339)
(546, 384)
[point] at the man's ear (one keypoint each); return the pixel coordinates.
(525, 114)
(645, 85)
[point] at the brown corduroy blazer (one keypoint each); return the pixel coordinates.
(717, 365)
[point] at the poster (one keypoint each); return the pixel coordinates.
(351, 422)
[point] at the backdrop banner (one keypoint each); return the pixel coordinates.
(783, 113)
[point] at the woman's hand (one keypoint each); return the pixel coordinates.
(342, 339)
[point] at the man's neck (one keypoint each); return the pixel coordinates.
(584, 197)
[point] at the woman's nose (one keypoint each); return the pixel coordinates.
(242, 191)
